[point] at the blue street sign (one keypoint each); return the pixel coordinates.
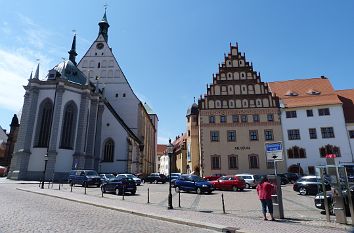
(270, 147)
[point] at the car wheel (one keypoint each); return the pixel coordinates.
(177, 189)
(98, 185)
(209, 192)
(133, 192)
(241, 189)
(155, 181)
(199, 191)
(248, 186)
(163, 182)
(234, 188)
(119, 192)
(302, 191)
(103, 189)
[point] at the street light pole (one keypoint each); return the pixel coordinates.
(170, 153)
(45, 168)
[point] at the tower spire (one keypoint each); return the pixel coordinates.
(72, 52)
(104, 25)
(36, 75)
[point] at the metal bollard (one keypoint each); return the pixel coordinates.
(59, 185)
(179, 199)
(148, 196)
(102, 192)
(71, 188)
(123, 192)
(223, 203)
(85, 187)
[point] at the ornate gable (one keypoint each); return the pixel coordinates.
(237, 86)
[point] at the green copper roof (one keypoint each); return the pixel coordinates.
(148, 109)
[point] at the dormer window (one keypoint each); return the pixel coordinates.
(313, 92)
(291, 93)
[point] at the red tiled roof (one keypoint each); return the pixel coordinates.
(161, 149)
(347, 98)
(305, 92)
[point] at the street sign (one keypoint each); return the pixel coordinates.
(274, 151)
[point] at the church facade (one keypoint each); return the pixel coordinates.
(84, 116)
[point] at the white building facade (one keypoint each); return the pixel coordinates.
(313, 124)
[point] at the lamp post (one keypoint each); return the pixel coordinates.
(170, 153)
(45, 168)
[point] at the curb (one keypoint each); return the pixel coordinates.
(213, 227)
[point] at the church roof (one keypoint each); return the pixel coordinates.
(68, 70)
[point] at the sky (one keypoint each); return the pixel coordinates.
(169, 50)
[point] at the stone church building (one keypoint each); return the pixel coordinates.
(84, 116)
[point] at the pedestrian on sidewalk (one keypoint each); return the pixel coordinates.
(265, 190)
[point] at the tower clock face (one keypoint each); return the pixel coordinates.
(100, 46)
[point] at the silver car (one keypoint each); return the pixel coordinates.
(250, 179)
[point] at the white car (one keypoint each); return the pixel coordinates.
(136, 179)
(250, 179)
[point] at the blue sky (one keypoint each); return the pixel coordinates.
(169, 50)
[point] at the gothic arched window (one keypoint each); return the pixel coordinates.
(296, 152)
(108, 152)
(68, 127)
(329, 149)
(45, 116)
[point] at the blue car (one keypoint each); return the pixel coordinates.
(119, 185)
(193, 183)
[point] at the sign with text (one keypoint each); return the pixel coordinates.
(274, 150)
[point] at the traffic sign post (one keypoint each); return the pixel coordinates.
(274, 151)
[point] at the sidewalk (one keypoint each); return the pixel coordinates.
(212, 221)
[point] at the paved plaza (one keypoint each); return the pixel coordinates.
(200, 211)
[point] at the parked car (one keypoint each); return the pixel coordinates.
(310, 185)
(174, 177)
(319, 200)
(193, 183)
(213, 177)
(156, 178)
(234, 183)
(3, 171)
(119, 185)
(106, 177)
(84, 178)
(250, 179)
(283, 179)
(128, 175)
(292, 177)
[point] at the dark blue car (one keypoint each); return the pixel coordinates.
(119, 185)
(84, 178)
(193, 183)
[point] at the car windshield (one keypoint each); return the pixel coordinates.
(91, 173)
(109, 176)
(130, 176)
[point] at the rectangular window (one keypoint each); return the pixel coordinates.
(235, 118)
(244, 118)
(212, 119)
(268, 134)
(270, 117)
(351, 133)
(291, 114)
(215, 162)
(313, 133)
(253, 161)
(270, 164)
(293, 134)
(255, 118)
(214, 136)
(309, 112)
(253, 135)
(231, 135)
(222, 119)
(327, 132)
(323, 112)
(233, 162)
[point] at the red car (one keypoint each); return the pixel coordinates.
(234, 183)
(213, 177)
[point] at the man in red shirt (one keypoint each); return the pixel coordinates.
(265, 190)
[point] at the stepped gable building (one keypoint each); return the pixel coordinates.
(237, 116)
(313, 123)
(74, 119)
